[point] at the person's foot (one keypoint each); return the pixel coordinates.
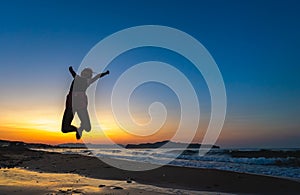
(78, 133)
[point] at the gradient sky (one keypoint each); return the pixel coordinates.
(254, 43)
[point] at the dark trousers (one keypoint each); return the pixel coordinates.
(68, 117)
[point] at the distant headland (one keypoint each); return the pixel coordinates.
(165, 144)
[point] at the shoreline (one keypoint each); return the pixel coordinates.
(284, 171)
(174, 177)
(20, 181)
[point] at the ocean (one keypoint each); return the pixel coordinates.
(273, 162)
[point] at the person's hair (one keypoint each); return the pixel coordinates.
(87, 73)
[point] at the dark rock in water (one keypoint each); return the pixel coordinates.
(265, 153)
(190, 152)
(284, 158)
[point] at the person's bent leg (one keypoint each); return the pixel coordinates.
(85, 119)
(66, 126)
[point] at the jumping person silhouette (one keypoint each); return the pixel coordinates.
(77, 101)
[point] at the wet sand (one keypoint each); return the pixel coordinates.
(21, 181)
(45, 173)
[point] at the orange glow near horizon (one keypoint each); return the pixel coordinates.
(36, 125)
(36, 136)
(40, 123)
(110, 133)
(53, 138)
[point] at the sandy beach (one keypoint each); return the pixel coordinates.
(22, 181)
(24, 171)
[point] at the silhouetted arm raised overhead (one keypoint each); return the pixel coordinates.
(98, 76)
(73, 73)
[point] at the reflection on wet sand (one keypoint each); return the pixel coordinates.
(22, 181)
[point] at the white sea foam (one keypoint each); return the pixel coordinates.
(215, 159)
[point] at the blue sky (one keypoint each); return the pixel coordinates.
(254, 43)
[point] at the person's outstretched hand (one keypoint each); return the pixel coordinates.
(107, 72)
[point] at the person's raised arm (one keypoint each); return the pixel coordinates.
(73, 73)
(98, 76)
